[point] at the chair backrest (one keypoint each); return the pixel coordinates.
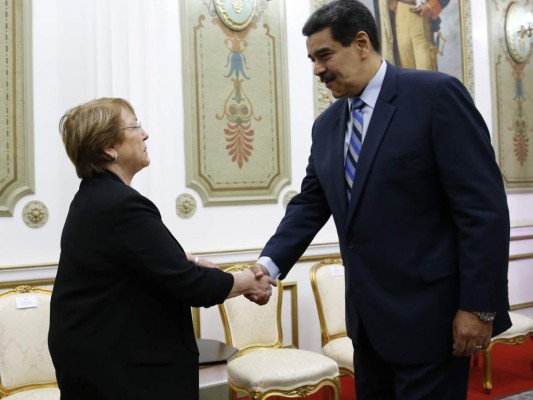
(25, 361)
(248, 325)
(327, 281)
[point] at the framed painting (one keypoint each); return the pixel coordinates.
(444, 42)
(511, 36)
(236, 122)
(16, 128)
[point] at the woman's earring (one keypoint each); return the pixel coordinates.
(115, 158)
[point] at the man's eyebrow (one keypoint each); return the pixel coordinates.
(322, 51)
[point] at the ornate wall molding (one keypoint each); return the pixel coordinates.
(236, 108)
(16, 128)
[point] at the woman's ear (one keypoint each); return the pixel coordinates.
(112, 152)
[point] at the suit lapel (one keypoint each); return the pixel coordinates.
(340, 125)
(379, 123)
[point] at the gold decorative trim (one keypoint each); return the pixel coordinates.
(326, 338)
(35, 214)
(36, 282)
(302, 391)
(524, 237)
(521, 306)
(232, 17)
(185, 205)
(517, 257)
(292, 287)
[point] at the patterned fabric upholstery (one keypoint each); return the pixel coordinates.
(327, 281)
(24, 357)
(341, 350)
(262, 368)
(273, 369)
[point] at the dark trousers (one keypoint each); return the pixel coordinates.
(377, 379)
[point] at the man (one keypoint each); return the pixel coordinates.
(422, 219)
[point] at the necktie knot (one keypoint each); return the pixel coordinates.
(357, 104)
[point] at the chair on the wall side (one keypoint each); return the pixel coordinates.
(327, 282)
(26, 369)
(262, 368)
(518, 333)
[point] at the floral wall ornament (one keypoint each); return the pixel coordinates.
(238, 108)
(185, 205)
(518, 52)
(35, 214)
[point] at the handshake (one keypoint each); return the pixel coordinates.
(261, 288)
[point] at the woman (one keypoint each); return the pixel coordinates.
(120, 323)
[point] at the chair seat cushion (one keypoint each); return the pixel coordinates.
(341, 350)
(35, 394)
(522, 325)
(285, 369)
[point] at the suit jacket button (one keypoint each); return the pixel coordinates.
(351, 246)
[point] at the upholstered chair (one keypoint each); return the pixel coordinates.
(518, 333)
(262, 368)
(26, 369)
(327, 282)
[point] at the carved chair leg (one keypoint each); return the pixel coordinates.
(487, 374)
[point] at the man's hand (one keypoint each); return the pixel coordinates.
(470, 334)
(265, 281)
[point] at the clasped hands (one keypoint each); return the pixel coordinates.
(262, 293)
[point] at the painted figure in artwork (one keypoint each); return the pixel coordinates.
(410, 31)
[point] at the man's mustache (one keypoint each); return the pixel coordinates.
(326, 77)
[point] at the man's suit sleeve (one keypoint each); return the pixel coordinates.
(306, 214)
(474, 188)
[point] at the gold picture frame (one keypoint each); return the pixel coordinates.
(16, 127)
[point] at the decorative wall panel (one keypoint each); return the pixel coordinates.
(236, 109)
(511, 25)
(16, 136)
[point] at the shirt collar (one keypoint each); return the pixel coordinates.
(371, 92)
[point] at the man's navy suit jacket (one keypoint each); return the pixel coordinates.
(427, 229)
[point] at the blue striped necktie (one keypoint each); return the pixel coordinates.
(354, 147)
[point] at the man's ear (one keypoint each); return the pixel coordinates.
(362, 41)
(362, 44)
